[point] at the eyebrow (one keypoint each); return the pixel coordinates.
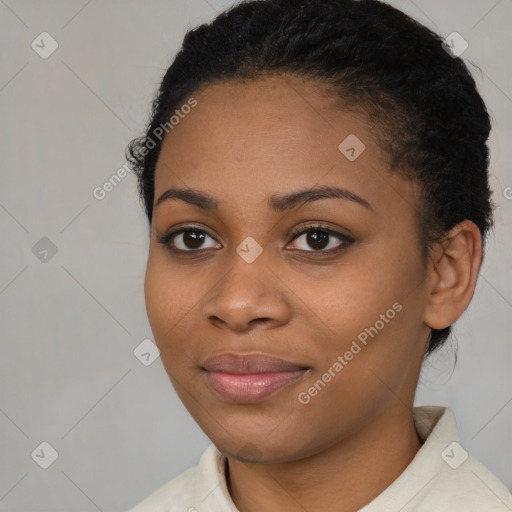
(276, 202)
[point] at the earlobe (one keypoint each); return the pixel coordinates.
(453, 275)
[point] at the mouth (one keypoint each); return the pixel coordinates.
(249, 378)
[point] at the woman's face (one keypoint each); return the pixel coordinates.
(258, 276)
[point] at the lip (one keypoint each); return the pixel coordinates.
(247, 378)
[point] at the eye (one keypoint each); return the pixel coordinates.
(320, 239)
(188, 239)
(315, 238)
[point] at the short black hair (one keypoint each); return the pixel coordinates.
(421, 99)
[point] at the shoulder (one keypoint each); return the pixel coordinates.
(470, 487)
(184, 491)
(172, 496)
(457, 480)
(443, 476)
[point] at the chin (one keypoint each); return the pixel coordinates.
(258, 448)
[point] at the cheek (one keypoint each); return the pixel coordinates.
(172, 305)
(352, 296)
(375, 299)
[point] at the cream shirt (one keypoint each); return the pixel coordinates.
(442, 477)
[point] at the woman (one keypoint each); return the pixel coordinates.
(315, 176)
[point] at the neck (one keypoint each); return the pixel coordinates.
(350, 473)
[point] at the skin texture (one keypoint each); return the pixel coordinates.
(243, 143)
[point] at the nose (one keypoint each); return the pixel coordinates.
(249, 294)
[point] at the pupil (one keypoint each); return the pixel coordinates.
(317, 239)
(193, 239)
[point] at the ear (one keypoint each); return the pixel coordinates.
(454, 269)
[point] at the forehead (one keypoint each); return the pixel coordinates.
(255, 121)
(244, 141)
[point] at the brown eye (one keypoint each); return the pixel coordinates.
(317, 239)
(193, 239)
(188, 240)
(320, 239)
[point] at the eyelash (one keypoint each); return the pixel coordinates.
(345, 241)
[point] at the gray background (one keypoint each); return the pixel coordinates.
(69, 325)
